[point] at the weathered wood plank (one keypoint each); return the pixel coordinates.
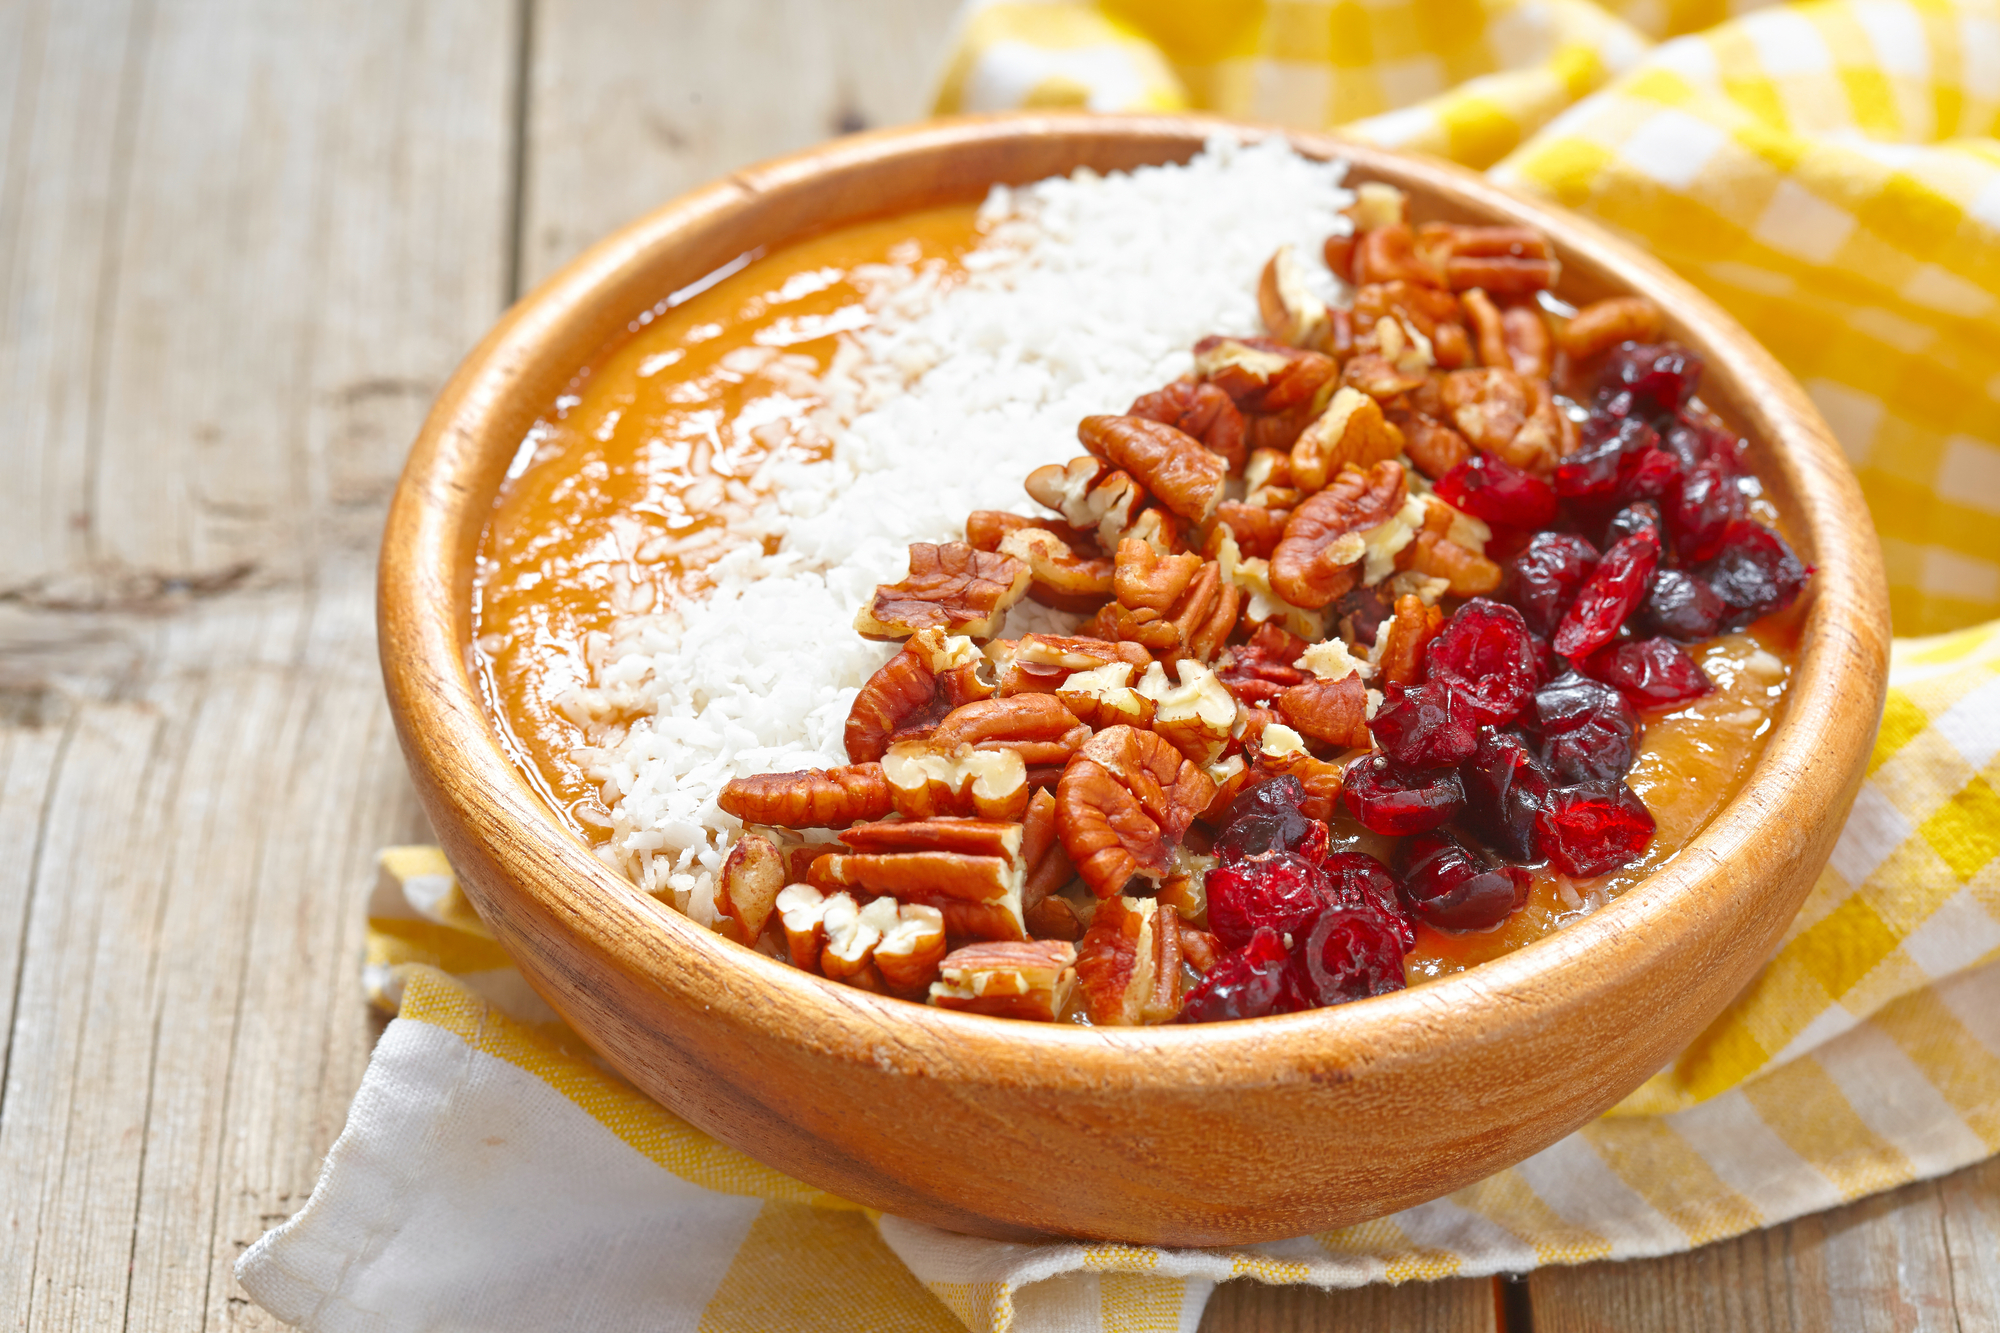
(631, 103)
(1248, 1306)
(1971, 1200)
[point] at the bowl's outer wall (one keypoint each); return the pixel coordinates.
(1222, 1134)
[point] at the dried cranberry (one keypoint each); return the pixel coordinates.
(1700, 512)
(1281, 890)
(1350, 954)
(1448, 887)
(1505, 785)
(1425, 726)
(1650, 673)
(1266, 818)
(1682, 605)
(1489, 488)
(1258, 671)
(1594, 828)
(1543, 580)
(1660, 377)
(1486, 652)
(1587, 729)
(1617, 586)
(1386, 801)
(1686, 443)
(1755, 572)
(1647, 475)
(1358, 880)
(1639, 516)
(1255, 980)
(1594, 470)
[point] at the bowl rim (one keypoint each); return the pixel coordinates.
(457, 755)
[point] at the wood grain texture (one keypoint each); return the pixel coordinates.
(880, 1101)
(1455, 1306)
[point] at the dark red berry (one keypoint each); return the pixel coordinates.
(1639, 516)
(1350, 954)
(1647, 475)
(1594, 828)
(1686, 443)
(1281, 890)
(1505, 785)
(1683, 606)
(1359, 881)
(1425, 726)
(1448, 887)
(1544, 579)
(1587, 729)
(1496, 491)
(1386, 801)
(1255, 980)
(1650, 673)
(1594, 470)
(1485, 651)
(1660, 377)
(1700, 512)
(1266, 818)
(1615, 589)
(1755, 572)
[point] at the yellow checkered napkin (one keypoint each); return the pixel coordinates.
(1827, 172)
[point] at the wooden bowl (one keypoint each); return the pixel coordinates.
(1211, 1135)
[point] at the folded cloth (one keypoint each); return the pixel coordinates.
(1827, 172)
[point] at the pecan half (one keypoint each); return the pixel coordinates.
(1040, 663)
(1500, 412)
(950, 587)
(1143, 577)
(1351, 432)
(1201, 410)
(812, 798)
(1048, 870)
(912, 692)
(1432, 446)
(1506, 261)
(1291, 311)
(1035, 726)
(969, 869)
(1257, 529)
(1316, 561)
(1195, 716)
(879, 945)
(1379, 377)
(1031, 979)
(986, 528)
(1172, 465)
(1530, 346)
(1105, 697)
(1602, 325)
(1489, 334)
(1059, 576)
(1279, 389)
(1409, 633)
(1333, 711)
(752, 875)
(925, 779)
(1124, 803)
(1390, 254)
(1091, 495)
(1117, 962)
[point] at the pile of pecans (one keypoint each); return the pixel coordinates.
(1291, 567)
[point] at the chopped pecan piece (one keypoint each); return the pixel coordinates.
(1105, 697)
(1499, 412)
(1279, 389)
(1333, 711)
(1291, 311)
(911, 950)
(1316, 561)
(1143, 578)
(1390, 254)
(1409, 633)
(1351, 432)
(1530, 346)
(1031, 979)
(752, 875)
(1117, 963)
(969, 869)
(1434, 447)
(1379, 377)
(1040, 663)
(1602, 325)
(1091, 495)
(1257, 671)
(1489, 334)
(950, 587)
(1257, 529)
(879, 945)
(1450, 547)
(925, 779)
(1048, 870)
(1185, 889)
(1378, 204)
(985, 529)
(1172, 465)
(1270, 470)
(1434, 315)
(1251, 578)
(1338, 251)
(1201, 410)
(912, 692)
(1282, 751)
(1199, 949)
(1123, 805)
(1060, 577)
(1505, 261)
(1195, 716)
(812, 798)
(1035, 726)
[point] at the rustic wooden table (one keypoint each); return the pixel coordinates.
(242, 244)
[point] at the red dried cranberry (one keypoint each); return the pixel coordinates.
(1255, 980)
(1587, 729)
(1447, 887)
(1350, 954)
(1700, 512)
(1686, 443)
(1281, 890)
(1258, 671)
(1755, 572)
(1594, 828)
(1660, 377)
(1647, 475)
(1505, 785)
(1425, 726)
(1650, 673)
(1639, 516)
(1489, 488)
(1617, 586)
(1593, 471)
(1360, 881)
(1266, 818)
(1485, 651)
(1386, 801)
(1682, 605)
(1543, 580)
